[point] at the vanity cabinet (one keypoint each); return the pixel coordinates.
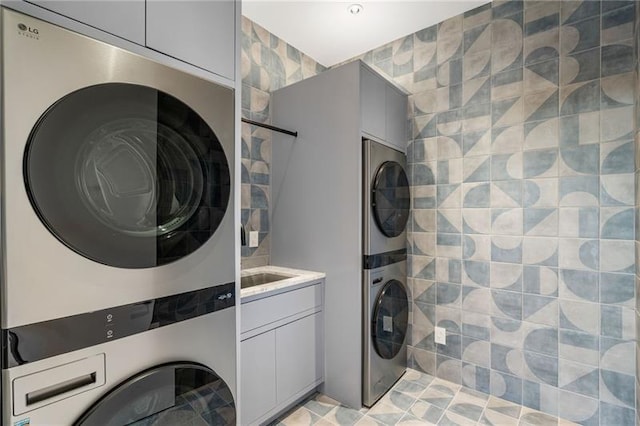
(282, 351)
(201, 33)
(383, 109)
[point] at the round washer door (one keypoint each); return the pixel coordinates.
(390, 319)
(171, 394)
(126, 175)
(390, 199)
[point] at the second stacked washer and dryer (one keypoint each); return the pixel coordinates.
(386, 304)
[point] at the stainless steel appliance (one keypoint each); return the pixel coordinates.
(385, 301)
(175, 367)
(117, 222)
(116, 172)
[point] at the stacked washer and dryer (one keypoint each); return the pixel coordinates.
(386, 304)
(118, 260)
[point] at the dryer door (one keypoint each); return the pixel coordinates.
(390, 199)
(390, 319)
(172, 394)
(126, 175)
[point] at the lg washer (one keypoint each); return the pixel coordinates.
(116, 174)
(386, 205)
(118, 260)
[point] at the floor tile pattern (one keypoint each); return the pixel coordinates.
(419, 399)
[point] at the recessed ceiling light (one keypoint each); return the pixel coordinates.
(355, 8)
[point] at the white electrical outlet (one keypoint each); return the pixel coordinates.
(441, 336)
(253, 238)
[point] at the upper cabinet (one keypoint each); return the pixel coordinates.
(199, 32)
(122, 18)
(383, 109)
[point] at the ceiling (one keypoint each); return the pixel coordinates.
(326, 31)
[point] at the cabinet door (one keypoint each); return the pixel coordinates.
(372, 97)
(299, 357)
(200, 32)
(258, 376)
(396, 117)
(123, 18)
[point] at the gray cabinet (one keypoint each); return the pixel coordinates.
(373, 99)
(282, 351)
(121, 18)
(199, 32)
(298, 356)
(258, 378)
(383, 109)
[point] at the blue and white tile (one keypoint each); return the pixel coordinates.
(578, 191)
(476, 299)
(506, 193)
(540, 192)
(579, 347)
(541, 251)
(506, 140)
(578, 408)
(506, 249)
(541, 134)
(475, 325)
(617, 190)
(506, 166)
(539, 396)
(618, 289)
(617, 256)
(579, 254)
(617, 322)
(580, 285)
(506, 304)
(540, 280)
(579, 378)
(617, 157)
(506, 113)
(506, 276)
(506, 387)
(476, 195)
(476, 221)
(617, 388)
(580, 316)
(540, 309)
(541, 222)
(540, 368)
(579, 222)
(506, 332)
(476, 273)
(580, 129)
(616, 124)
(506, 221)
(617, 355)
(476, 247)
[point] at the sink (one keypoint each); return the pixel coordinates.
(262, 278)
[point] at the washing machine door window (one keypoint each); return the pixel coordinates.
(390, 199)
(171, 394)
(126, 175)
(390, 319)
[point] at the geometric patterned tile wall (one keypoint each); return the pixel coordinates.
(522, 241)
(268, 63)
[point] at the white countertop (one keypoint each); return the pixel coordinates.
(300, 278)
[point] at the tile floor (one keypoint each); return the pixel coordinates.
(419, 399)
